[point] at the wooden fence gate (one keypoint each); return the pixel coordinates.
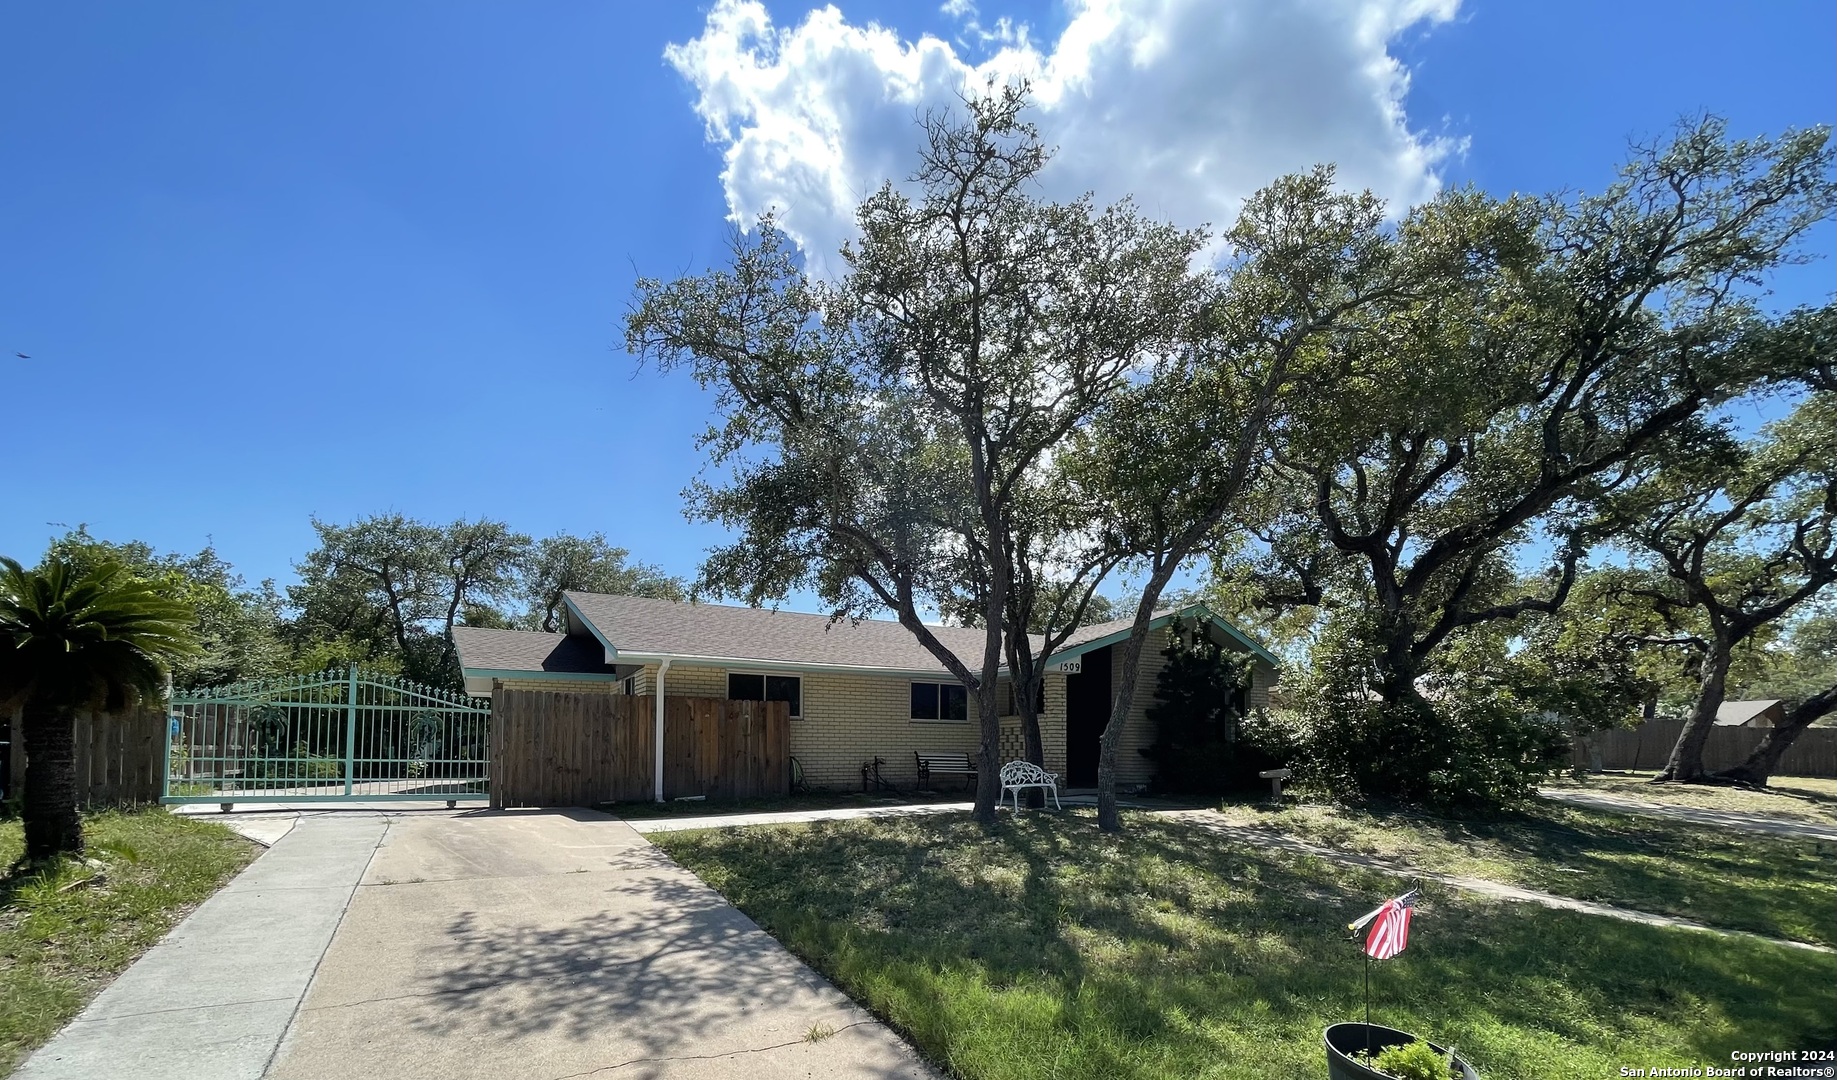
(119, 755)
(557, 748)
(1648, 746)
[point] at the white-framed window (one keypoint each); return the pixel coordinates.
(758, 686)
(631, 686)
(944, 702)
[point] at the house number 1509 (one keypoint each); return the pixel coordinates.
(1071, 667)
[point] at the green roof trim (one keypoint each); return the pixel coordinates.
(1199, 611)
(524, 673)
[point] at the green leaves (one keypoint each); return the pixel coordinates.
(880, 437)
(99, 637)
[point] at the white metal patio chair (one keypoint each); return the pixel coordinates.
(1017, 776)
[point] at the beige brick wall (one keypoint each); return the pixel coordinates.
(847, 719)
(572, 686)
(1052, 729)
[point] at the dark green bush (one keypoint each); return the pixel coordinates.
(299, 765)
(1206, 740)
(1464, 742)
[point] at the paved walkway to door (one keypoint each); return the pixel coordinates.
(522, 945)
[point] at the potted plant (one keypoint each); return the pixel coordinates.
(1370, 1051)
(1374, 1052)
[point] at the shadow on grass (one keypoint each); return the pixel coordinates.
(1636, 784)
(1044, 947)
(815, 800)
(1775, 886)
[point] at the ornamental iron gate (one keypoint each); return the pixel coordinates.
(356, 736)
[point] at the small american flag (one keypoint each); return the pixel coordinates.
(1390, 926)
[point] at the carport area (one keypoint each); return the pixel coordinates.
(537, 944)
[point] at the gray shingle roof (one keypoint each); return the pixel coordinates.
(647, 627)
(673, 628)
(523, 650)
(1737, 713)
(642, 625)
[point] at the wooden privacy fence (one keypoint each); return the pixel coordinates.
(1813, 753)
(120, 756)
(557, 748)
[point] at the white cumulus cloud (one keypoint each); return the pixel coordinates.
(1189, 105)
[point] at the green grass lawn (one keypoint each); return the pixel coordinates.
(59, 944)
(1800, 798)
(1778, 886)
(1048, 949)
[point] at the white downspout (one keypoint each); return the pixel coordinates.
(657, 737)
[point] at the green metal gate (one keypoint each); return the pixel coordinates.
(351, 736)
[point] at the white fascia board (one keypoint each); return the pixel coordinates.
(629, 656)
(575, 613)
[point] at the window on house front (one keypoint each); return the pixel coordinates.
(742, 686)
(940, 701)
(631, 686)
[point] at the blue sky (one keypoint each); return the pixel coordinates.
(272, 261)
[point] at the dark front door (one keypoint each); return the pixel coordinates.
(1087, 710)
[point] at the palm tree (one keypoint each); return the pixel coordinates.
(68, 642)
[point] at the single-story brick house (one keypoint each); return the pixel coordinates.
(857, 690)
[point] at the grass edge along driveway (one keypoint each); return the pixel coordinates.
(64, 937)
(1048, 949)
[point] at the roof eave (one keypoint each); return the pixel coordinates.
(1250, 645)
(538, 673)
(744, 662)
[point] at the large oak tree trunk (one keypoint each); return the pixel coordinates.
(1411, 738)
(1686, 761)
(1109, 814)
(1759, 766)
(49, 808)
(988, 769)
(1033, 747)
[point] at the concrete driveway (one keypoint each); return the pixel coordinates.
(515, 944)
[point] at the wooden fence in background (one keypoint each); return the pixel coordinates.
(1813, 753)
(121, 757)
(559, 748)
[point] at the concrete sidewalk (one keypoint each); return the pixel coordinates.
(540, 944)
(791, 817)
(1211, 821)
(1696, 815)
(212, 1000)
(1069, 800)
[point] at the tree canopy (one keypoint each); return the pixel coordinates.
(384, 591)
(879, 438)
(74, 637)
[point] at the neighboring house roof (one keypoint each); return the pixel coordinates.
(482, 652)
(1738, 713)
(628, 630)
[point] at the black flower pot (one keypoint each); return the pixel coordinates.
(1344, 1040)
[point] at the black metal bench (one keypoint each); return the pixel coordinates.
(945, 763)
